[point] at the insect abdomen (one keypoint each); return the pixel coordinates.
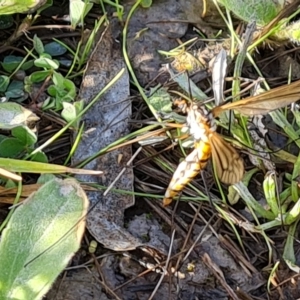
(187, 170)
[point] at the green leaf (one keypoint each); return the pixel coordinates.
(249, 200)
(11, 62)
(58, 79)
(55, 49)
(40, 238)
(15, 94)
(15, 85)
(70, 88)
(48, 3)
(78, 10)
(11, 147)
(25, 135)
(161, 100)
(2, 137)
(44, 178)
(44, 62)
(4, 82)
(27, 65)
(79, 106)
(8, 7)
(10, 184)
(16, 165)
(49, 103)
(260, 11)
(69, 112)
(146, 3)
(188, 85)
(52, 90)
(289, 252)
(39, 76)
(45, 55)
(15, 90)
(269, 186)
(38, 45)
(39, 157)
(293, 214)
(65, 62)
(64, 90)
(13, 115)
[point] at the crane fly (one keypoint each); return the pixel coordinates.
(207, 142)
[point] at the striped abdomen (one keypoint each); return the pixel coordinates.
(187, 170)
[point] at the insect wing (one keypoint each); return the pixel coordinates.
(264, 103)
(229, 165)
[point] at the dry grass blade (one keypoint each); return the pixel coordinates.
(24, 166)
(10, 175)
(219, 275)
(264, 103)
(287, 11)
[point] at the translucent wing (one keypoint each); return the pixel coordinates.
(264, 103)
(229, 165)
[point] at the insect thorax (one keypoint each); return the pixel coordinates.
(200, 122)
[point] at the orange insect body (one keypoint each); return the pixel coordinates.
(228, 163)
(187, 170)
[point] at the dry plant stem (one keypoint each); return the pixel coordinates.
(187, 238)
(41, 90)
(242, 295)
(60, 283)
(122, 172)
(86, 264)
(270, 59)
(164, 269)
(111, 124)
(8, 195)
(257, 255)
(230, 247)
(102, 282)
(204, 221)
(135, 277)
(13, 49)
(163, 215)
(173, 215)
(295, 276)
(19, 31)
(288, 10)
(198, 238)
(95, 261)
(219, 275)
(274, 281)
(150, 134)
(146, 272)
(244, 224)
(10, 175)
(155, 153)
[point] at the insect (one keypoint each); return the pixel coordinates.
(207, 142)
